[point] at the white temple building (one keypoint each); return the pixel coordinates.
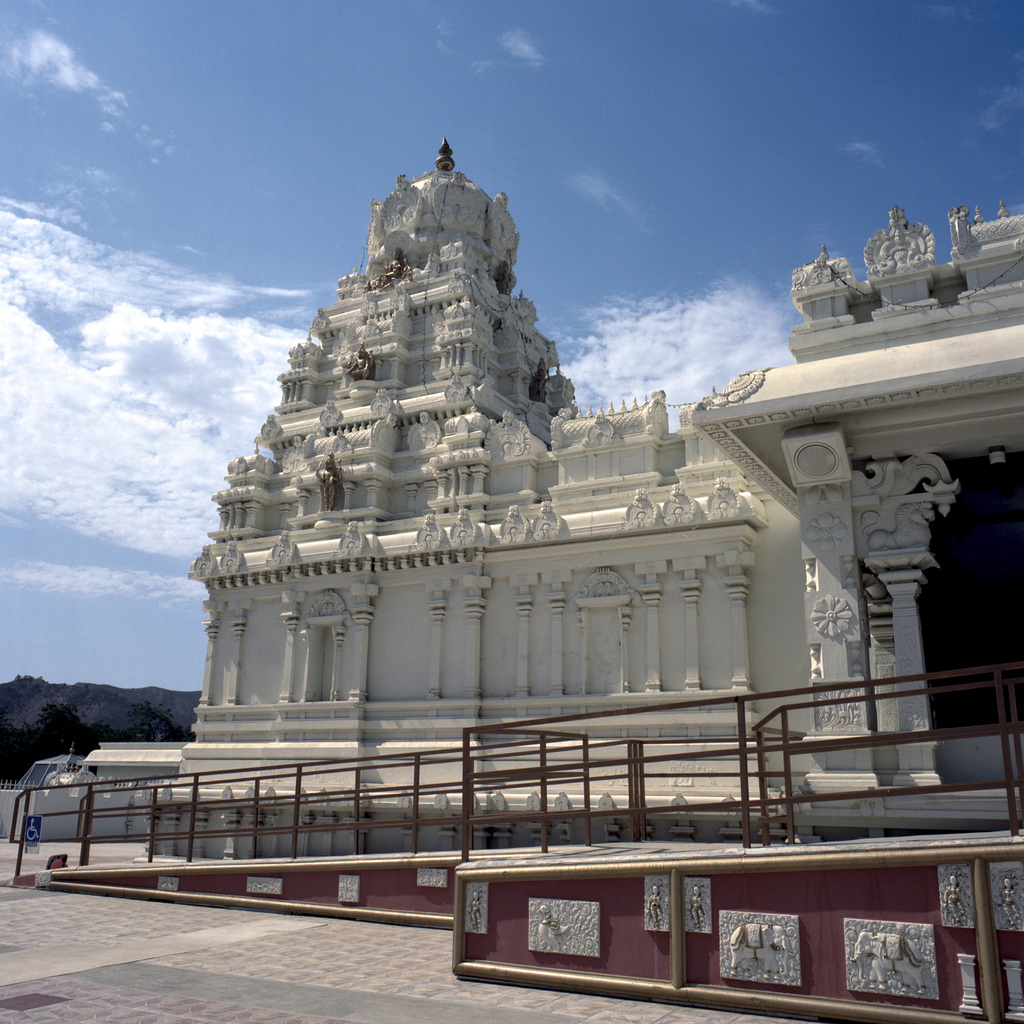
(431, 534)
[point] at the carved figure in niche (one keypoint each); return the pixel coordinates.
(1008, 902)
(960, 229)
(889, 959)
(550, 933)
(424, 434)
(504, 279)
(697, 909)
(539, 383)
(329, 475)
(476, 911)
(953, 907)
(654, 909)
(361, 365)
(396, 269)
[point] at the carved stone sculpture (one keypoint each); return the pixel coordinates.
(656, 911)
(891, 956)
(329, 475)
(539, 383)
(397, 269)
(1007, 884)
(956, 896)
(903, 247)
(760, 947)
(361, 365)
(565, 926)
(476, 908)
(697, 904)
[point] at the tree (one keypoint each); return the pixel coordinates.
(149, 722)
(58, 727)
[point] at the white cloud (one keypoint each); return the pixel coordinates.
(62, 215)
(754, 6)
(596, 187)
(125, 418)
(516, 43)
(682, 345)
(865, 152)
(41, 57)
(94, 581)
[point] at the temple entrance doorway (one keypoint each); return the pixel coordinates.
(972, 605)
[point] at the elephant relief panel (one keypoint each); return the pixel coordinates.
(894, 957)
(759, 947)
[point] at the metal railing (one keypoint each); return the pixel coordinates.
(507, 774)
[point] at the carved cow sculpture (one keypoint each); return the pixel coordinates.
(763, 943)
(888, 957)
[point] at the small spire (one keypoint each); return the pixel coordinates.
(444, 161)
(1003, 211)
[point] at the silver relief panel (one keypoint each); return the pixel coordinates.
(759, 947)
(167, 883)
(264, 886)
(476, 908)
(348, 888)
(656, 903)
(434, 878)
(1007, 881)
(894, 957)
(697, 904)
(565, 926)
(956, 895)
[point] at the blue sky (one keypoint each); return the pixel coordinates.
(183, 184)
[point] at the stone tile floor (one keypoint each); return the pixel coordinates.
(136, 962)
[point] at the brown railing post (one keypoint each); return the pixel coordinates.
(1004, 742)
(192, 812)
(357, 813)
(787, 780)
(741, 736)
(586, 791)
(414, 841)
(544, 792)
(297, 810)
(255, 817)
(27, 794)
(467, 795)
(152, 823)
(762, 788)
(83, 853)
(1018, 755)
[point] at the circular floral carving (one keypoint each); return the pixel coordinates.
(831, 616)
(826, 531)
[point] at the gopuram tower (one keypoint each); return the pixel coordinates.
(431, 534)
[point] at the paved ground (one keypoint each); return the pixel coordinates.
(78, 959)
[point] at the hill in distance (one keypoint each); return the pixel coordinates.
(96, 703)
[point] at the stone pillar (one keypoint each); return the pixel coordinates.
(437, 606)
(348, 491)
(625, 619)
(474, 604)
(290, 617)
(234, 667)
(651, 591)
(411, 493)
(524, 604)
(737, 585)
(557, 599)
(302, 496)
(690, 586)
(362, 615)
(212, 627)
(338, 636)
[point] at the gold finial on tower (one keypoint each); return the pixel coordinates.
(444, 161)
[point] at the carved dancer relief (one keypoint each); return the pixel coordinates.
(348, 888)
(565, 926)
(424, 434)
(891, 956)
(514, 529)
(353, 543)
(723, 502)
(905, 246)
(1007, 884)
(697, 904)
(284, 552)
(656, 907)
(548, 525)
(430, 536)
(759, 947)
(476, 908)
(956, 895)
(823, 270)
(509, 439)
(641, 514)
(463, 531)
(679, 509)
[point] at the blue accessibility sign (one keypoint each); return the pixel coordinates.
(33, 832)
